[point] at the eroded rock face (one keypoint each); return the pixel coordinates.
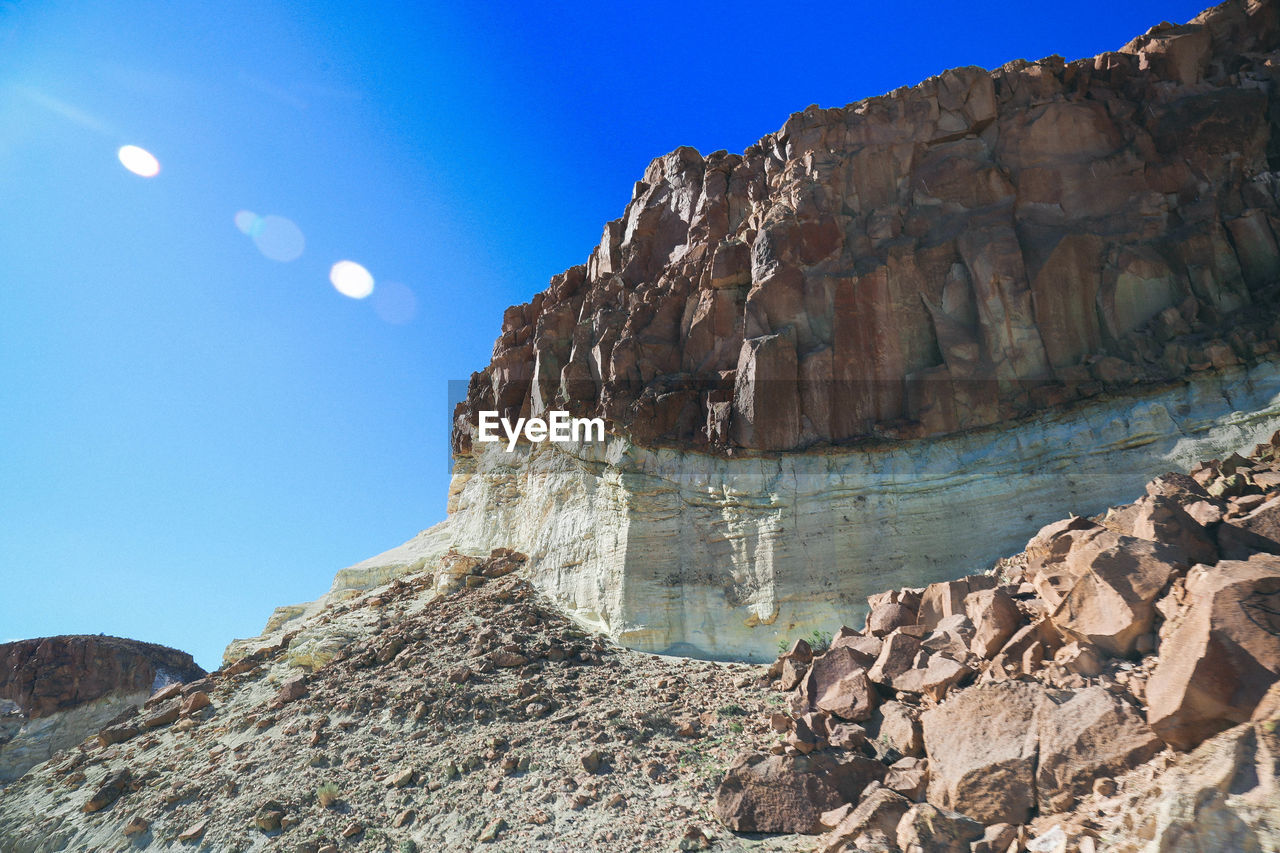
(63, 689)
(676, 550)
(54, 673)
(939, 258)
(1083, 736)
(1219, 797)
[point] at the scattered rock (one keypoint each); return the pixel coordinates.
(925, 828)
(780, 793)
(110, 790)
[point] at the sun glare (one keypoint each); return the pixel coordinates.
(351, 279)
(140, 161)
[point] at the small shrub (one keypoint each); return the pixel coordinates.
(327, 794)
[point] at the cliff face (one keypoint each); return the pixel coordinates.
(57, 690)
(874, 346)
(950, 255)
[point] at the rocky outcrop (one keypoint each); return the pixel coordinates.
(956, 254)
(63, 689)
(1015, 292)
(676, 550)
(950, 255)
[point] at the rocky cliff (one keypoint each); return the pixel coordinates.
(950, 255)
(56, 690)
(991, 296)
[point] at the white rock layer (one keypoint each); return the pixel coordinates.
(37, 740)
(681, 552)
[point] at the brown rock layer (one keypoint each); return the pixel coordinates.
(52, 674)
(946, 256)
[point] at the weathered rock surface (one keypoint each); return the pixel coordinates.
(64, 689)
(1219, 797)
(1084, 736)
(946, 256)
(1221, 655)
(982, 751)
(1104, 585)
(779, 793)
(55, 673)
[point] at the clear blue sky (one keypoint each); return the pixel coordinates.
(192, 433)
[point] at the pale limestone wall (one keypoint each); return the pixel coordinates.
(674, 551)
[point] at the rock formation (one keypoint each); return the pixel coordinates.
(455, 707)
(950, 255)
(60, 689)
(844, 372)
(1003, 295)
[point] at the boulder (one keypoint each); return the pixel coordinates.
(1038, 640)
(865, 648)
(997, 838)
(995, 619)
(1114, 582)
(941, 600)
(926, 828)
(909, 777)
(162, 715)
(1162, 519)
(951, 636)
(889, 610)
(937, 676)
(897, 655)
(898, 726)
(1220, 797)
(981, 745)
(291, 690)
(108, 791)
(837, 683)
(808, 732)
(1221, 655)
(782, 793)
(1258, 532)
(875, 818)
(118, 734)
(1083, 736)
(793, 672)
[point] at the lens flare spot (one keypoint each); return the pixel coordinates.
(247, 221)
(140, 161)
(395, 303)
(278, 238)
(351, 279)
